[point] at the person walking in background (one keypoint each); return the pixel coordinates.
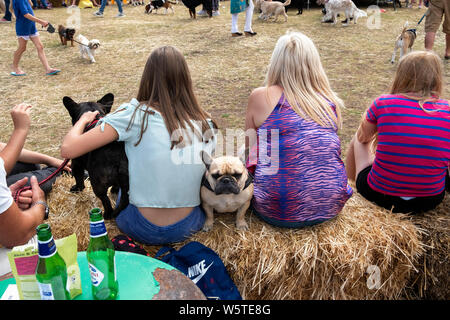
(8, 16)
(44, 4)
(26, 30)
(413, 2)
(237, 6)
(99, 13)
(437, 9)
(215, 9)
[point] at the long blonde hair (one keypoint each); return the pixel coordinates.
(296, 67)
(421, 73)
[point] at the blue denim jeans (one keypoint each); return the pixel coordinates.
(43, 2)
(119, 5)
(131, 222)
(7, 13)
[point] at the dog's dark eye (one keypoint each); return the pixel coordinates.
(215, 176)
(237, 176)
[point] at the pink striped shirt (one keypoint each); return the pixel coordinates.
(413, 152)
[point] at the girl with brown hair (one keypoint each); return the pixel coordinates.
(411, 126)
(164, 129)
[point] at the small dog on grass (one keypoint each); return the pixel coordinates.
(227, 186)
(87, 48)
(66, 34)
(107, 166)
(192, 4)
(404, 41)
(272, 8)
(156, 4)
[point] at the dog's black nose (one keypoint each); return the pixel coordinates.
(226, 180)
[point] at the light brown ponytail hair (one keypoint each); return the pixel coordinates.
(166, 85)
(419, 76)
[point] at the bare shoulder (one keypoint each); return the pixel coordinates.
(265, 97)
(258, 93)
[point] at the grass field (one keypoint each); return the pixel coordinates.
(224, 69)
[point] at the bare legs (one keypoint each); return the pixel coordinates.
(18, 54)
(429, 42)
(22, 48)
(359, 156)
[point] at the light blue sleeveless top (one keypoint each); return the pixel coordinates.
(159, 177)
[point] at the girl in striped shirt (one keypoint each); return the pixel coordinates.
(409, 129)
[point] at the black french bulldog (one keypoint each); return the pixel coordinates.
(107, 166)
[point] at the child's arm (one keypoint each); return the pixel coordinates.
(28, 156)
(37, 20)
(20, 115)
(77, 142)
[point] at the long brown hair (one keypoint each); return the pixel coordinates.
(166, 85)
(420, 73)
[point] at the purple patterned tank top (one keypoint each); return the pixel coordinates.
(299, 175)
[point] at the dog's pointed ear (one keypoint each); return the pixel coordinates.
(71, 106)
(206, 158)
(107, 101)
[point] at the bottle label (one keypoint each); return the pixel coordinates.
(96, 275)
(98, 229)
(46, 291)
(46, 248)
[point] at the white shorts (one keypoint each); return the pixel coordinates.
(30, 36)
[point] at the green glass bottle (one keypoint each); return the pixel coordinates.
(51, 271)
(101, 259)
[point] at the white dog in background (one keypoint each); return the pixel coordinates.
(87, 48)
(334, 7)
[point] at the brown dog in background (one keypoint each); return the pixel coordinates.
(404, 41)
(66, 34)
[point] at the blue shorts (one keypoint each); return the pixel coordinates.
(134, 224)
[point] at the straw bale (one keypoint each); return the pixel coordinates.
(432, 282)
(338, 259)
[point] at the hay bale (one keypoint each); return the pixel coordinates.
(327, 261)
(69, 212)
(432, 282)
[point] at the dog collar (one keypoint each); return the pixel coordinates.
(93, 123)
(413, 31)
(249, 180)
(205, 182)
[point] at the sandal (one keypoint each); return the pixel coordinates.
(53, 72)
(18, 74)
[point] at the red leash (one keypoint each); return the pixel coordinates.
(60, 168)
